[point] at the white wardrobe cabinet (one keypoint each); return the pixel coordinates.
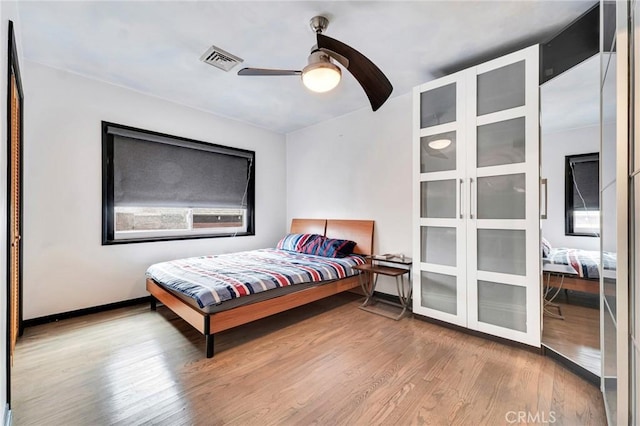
(476, 198)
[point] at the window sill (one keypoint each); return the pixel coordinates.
(110, 242)
(594, 235)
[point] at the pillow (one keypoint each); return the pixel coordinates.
(329, 247)
(545, 246)
(295, 242)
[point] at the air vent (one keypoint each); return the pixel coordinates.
(220, 58)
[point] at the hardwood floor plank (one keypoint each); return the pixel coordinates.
(577, 336)
(325, 363)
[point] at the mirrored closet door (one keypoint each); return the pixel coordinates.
(608, 194)
(570, 162)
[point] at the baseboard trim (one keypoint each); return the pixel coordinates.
(577, 369)
(86, 311)
(386, 296)
(476, 333)
(8, 420)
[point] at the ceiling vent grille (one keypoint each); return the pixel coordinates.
(220, 58)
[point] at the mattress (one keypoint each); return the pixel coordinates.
(246, 300)
(214, 280)
(586, 263)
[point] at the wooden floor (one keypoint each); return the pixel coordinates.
(577, 337)
(325, 363)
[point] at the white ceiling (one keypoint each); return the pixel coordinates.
(572, 99)
(154, 47)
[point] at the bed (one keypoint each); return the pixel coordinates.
(585, 263)
(209, 315)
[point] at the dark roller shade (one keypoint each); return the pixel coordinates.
(585, 182)
(165, 174)
(169, 140)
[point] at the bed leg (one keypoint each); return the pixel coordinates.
(153, 303)
(208, 336)
(209, 343)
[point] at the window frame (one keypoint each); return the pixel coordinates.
(108, 205)
(568, 196)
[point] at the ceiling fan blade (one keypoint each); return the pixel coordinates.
(375, 84)
(266, 71)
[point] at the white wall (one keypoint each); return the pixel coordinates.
(357, 166)
(65, 265)
(8, 11)
(555, 146)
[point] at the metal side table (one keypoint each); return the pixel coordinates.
(549, 295)
(381, 265)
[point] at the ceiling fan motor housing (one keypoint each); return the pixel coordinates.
(318, 57)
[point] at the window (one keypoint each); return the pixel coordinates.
(158, 187)
(582, 195)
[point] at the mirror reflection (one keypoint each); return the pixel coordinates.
(570, 249)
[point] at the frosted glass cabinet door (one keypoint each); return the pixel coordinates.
(439, 278)
(503, 262)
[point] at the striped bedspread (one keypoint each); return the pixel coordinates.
(211, 280)
(584, 262)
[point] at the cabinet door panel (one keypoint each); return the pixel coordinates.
(502, 142)
(439, 292)
(438, 199)
(438, 245)
(502, 305)
(501, 88)
(502, 197)
(435, 159)
(438, 106)
(502, 251)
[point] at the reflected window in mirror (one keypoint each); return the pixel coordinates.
(582, 195)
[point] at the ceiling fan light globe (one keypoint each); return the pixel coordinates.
(439, 143)
(321, 77)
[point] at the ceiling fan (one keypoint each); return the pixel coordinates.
(322, 75)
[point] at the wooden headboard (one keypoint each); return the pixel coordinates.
(360, 231)
(308, 226)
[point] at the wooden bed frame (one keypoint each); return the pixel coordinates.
(360, 231)
(577, 284)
